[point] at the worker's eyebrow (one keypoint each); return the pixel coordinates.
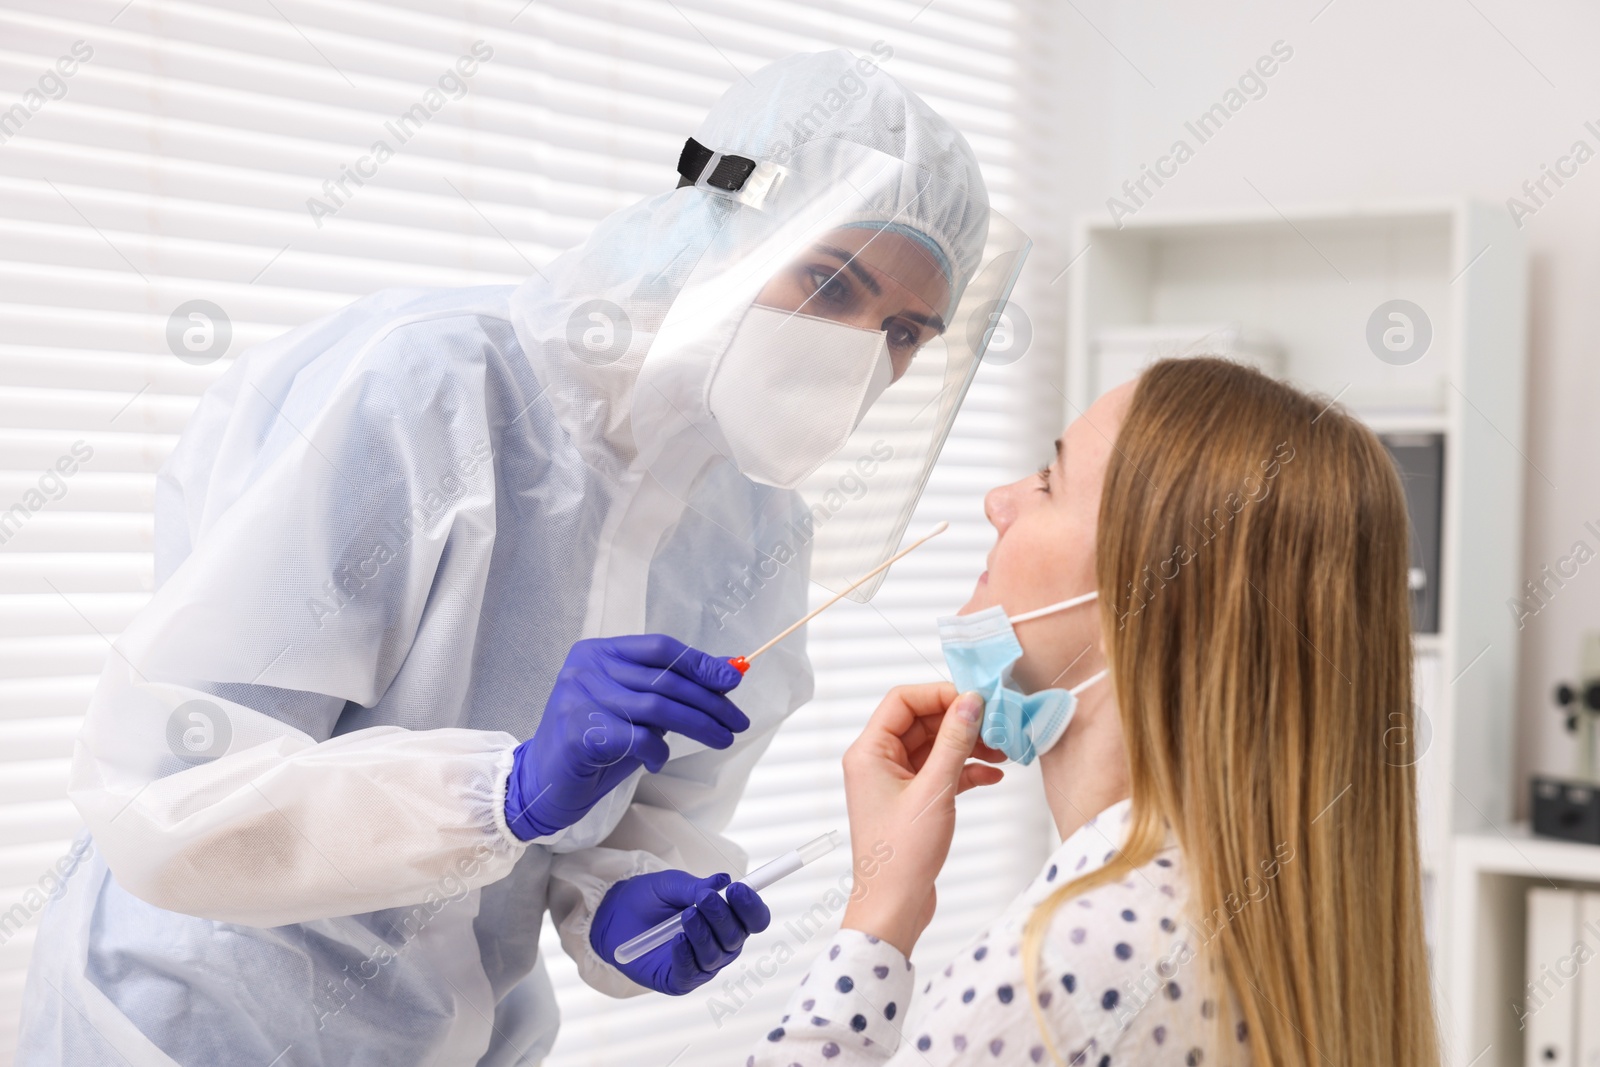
(849, 261)
(932, 321)
(1060, 450)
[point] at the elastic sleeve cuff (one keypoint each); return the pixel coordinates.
(860, 987)
(505, 763)
(579, 882)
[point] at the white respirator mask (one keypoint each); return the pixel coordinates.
(790, 389)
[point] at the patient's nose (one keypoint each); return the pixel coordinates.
(1000, 505)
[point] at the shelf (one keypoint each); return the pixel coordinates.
(1397, 422)
(1432, 643)
(1519, 852)
(1346, 215)
(1492, 875)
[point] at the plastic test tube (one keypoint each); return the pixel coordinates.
(757, 879)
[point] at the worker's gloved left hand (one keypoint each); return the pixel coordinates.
(713, 932)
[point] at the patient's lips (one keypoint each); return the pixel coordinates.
(983, 579)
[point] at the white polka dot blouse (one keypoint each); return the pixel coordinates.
(1120, 983)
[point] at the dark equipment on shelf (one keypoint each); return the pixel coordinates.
(1419, 457)
(1569, 808)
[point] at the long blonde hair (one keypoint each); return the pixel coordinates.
(1251, 564)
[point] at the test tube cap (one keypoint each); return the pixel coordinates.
(813, 850)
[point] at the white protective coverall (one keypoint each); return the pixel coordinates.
(376, 541)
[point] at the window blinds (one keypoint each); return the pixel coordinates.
(155, 153)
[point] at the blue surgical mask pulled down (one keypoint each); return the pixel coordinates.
(980, 650)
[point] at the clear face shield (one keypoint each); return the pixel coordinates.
(824, 343)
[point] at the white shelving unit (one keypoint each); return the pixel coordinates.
(1492, 873)
(1312, 279)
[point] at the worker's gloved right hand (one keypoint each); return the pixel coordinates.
(612, 705)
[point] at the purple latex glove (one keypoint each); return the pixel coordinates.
(713, 931)
(612, 705)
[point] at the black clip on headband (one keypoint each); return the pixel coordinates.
(729, 175)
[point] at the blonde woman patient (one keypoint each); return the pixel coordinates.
(1238, 880)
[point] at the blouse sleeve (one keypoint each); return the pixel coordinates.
(847, 1011)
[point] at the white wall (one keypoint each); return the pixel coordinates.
(1385, 101)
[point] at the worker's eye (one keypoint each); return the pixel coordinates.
(903, 337)
(829, 289)
(1044, 478)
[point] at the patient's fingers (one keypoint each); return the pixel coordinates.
(976, 774)
(904, 705)
(898, 726)
(958, 734)
(919, 739)
(989, 755)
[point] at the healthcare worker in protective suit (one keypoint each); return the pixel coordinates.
(447, 583)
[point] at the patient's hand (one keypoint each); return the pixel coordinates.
(901, 778)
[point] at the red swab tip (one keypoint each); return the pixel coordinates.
(740, 664)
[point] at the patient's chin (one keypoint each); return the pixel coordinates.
(981, 597)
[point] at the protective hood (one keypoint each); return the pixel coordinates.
(633, 324)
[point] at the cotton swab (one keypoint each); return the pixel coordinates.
(742, 663)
